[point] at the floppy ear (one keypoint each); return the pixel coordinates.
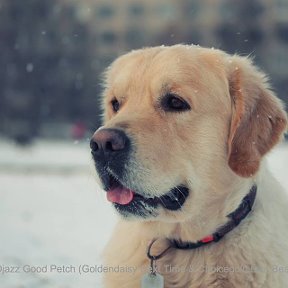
(258, 118)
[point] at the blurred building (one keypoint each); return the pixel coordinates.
(249, 27)
(54, 51)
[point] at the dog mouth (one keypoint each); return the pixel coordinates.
(127, 200)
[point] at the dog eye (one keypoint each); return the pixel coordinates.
(173, 102)
(115, 105)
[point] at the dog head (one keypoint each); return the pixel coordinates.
(181, 125)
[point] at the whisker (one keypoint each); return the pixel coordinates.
(160, 198)
(177, 198)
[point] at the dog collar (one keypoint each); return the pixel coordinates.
(234, 220)
(153, 279)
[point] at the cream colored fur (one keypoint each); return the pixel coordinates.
(218, 149)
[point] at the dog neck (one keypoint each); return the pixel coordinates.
(234, 219)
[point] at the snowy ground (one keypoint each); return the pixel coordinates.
(53, 213)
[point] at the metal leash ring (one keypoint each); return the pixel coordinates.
(153, 258)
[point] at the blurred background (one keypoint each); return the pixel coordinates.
(52, 56)
(54, 51)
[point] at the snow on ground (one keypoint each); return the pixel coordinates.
(53, 213)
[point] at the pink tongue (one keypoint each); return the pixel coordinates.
(120, 195)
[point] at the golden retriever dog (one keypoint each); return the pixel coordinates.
(181, 156)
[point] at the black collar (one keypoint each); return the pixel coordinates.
(234, 220)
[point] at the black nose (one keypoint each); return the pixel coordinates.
(110, 149)
(109, 141)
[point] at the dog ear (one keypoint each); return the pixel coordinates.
(258, 118)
